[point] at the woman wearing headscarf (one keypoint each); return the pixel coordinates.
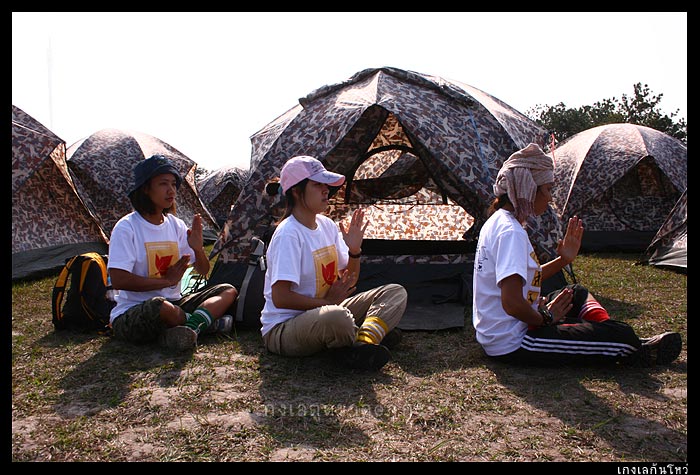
(513, 322)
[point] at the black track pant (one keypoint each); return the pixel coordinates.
(576, 342)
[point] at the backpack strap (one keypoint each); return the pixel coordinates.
(256, 259)
(100, 262)
(59, 290)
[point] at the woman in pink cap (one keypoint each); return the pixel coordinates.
(513, 323)
(312, 268)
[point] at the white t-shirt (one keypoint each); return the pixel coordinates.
(503, 249)
(146, 249)
(310, 259)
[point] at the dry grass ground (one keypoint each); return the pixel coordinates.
(91, 398)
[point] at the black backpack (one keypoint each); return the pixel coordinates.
(86, 306)
(251, 300)
(249, 279)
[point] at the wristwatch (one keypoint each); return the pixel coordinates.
(547, 317)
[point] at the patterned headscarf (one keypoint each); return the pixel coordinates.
(520, 176)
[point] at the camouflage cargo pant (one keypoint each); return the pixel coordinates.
(142, 323)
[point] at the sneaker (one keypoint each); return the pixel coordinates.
(179, 338)
(392, 339)
(223, 324)
(364, 356)
(667, 346)
(642, 358)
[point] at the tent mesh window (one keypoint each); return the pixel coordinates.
(399, 195)
(643, 197)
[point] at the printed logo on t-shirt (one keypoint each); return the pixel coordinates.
(326, 265)
(480, 260)
(161, 255)
(533, 295)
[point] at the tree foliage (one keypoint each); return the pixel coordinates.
(641, 108)
(200, 173)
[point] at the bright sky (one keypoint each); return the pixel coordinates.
(205, 82)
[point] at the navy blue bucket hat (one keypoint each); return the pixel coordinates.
(152, 166)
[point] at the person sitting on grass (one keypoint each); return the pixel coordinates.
(569, 326)
(149, 251)
(312, 269)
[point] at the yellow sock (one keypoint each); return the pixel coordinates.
(372, 331)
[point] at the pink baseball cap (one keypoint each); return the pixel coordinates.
(303, 166)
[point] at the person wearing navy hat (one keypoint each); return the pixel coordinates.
(150, 250)
(155, 165)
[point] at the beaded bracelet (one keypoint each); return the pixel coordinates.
(547, 317)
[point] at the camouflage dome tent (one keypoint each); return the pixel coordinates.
(220, 189)
(101, 166)
(623, 180)
(420, 154)
(50, 223)
(669, 248)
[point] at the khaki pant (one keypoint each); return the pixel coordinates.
(336, 326)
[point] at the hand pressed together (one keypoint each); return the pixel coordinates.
(342, 288)
(560, 305)
(175, 272)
